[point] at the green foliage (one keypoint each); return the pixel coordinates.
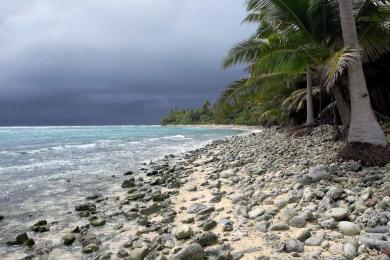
(202, 115)
(292, 36)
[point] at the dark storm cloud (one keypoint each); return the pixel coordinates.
(117, 61)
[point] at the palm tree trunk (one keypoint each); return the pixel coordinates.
(309, 98)
(342, 106)
(364, 127)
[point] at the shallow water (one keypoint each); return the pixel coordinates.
(43, 170)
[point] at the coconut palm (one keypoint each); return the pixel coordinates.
(364, 126)
(298, 36)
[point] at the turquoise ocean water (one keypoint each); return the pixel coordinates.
(43, 170)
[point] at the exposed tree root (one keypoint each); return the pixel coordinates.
(367, 154)
(300, 130)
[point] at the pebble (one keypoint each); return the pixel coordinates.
(209, 224)
(298, 222)
(256, 212)
(349, 228)
(336, 213)
(183, 232)
(279, 227)
(302, 234)
(293, 245)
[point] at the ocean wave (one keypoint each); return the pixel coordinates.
(12, 153)
(171, 138)
(36, 166)
(52, 148)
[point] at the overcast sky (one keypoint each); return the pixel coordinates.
(113, 62)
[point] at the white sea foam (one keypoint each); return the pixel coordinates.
(36, 166)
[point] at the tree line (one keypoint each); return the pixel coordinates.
(309, 62)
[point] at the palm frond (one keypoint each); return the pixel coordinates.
(335, 65)
(273, 116)
(245, 52)
(297, 99)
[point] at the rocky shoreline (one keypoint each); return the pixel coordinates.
(263, 195)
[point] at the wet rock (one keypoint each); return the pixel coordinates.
(206, 239)
(41, 226)
(130, 215)
(22, 239)
(90, 248)
(191, 252)
(43, 250)
(128, 173)
(69, 239)
(349, 228)
(76, 229)
(122, 253)
(293, 245)
(209, 224)
(97, 221)
(84, 214)
(136, 196)
(86, 207)
(337, 213)
(128, 184)
(183, 232)
(94, 196)
(87, 238)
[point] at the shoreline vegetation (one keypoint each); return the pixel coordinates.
(310, 63)
(260, 195)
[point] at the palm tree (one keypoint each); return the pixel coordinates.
(364, 127)
(295, 36)
(309, 98)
